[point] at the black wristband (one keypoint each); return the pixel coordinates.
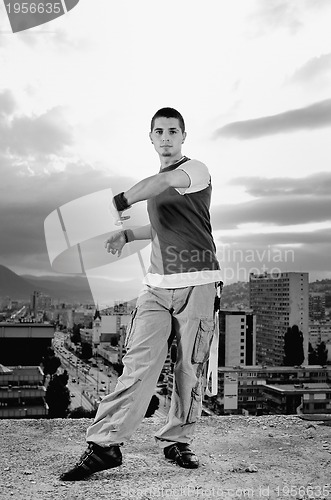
(128, 235)
(120, 202)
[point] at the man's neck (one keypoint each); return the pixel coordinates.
(167, 161)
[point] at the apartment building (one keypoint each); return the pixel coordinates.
(279, 301)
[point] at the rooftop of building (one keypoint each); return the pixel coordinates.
(278, 275)
(19, 371)
(240, 457)
(25, 324)
(277, 369)
(236, 311)
(301, 388)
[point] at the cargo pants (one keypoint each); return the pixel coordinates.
(187, 313)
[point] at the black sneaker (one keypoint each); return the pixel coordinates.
(94, 459)
(182, 455)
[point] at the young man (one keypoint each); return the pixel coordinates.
(177, 299)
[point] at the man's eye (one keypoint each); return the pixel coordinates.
(173, 132)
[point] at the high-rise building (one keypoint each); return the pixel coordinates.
(279, 301)
(237, 344)
(316, 305)
(40, 302)
(5, 303)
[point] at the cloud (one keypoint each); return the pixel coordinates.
(314, 116)
(277, 13)
(280, 238)
(7, 103)
(271, 243)
(246, 253)
(316, 184)
(282, 14)
(280, 210)
(313, 70)
(39, 174)
(290, 227)
(48, 133)
(238, 260)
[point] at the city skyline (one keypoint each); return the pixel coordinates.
(77, 96)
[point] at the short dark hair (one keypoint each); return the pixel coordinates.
(169, 113)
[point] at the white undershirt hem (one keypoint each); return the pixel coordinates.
(182, 280)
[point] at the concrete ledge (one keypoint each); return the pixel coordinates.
(241, 457)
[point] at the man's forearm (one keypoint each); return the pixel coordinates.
(150, 187)
(147, 188)
(139, 233)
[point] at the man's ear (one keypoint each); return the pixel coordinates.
(150, 136)
(184, 137)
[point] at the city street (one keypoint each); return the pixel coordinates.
(87, 384)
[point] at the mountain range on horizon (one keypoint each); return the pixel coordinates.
(73, 288)
(66, 288)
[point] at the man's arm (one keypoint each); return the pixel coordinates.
(156, 184)
(141, 233)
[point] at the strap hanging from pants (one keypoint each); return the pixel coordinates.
(212, 371)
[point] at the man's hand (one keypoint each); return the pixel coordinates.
(115, 243)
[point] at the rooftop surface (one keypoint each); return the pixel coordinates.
(305, 387)
(274, 457)
(276, 369)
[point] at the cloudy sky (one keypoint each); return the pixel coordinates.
(252, 79)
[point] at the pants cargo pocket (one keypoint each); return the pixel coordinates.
(129, 330)
(203, 340)
(194, 410)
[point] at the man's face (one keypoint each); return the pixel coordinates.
(167, 137)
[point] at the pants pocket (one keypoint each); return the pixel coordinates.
(130, 329)
(203, 340)
(195, 405)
